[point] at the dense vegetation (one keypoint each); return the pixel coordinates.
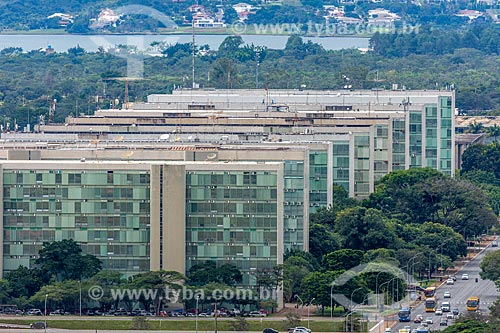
(81, 81)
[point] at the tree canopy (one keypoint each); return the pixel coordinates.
(64, 260)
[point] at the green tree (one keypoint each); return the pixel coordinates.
(294, 270)
(230, 15)
(25, 282)
(4, 291)
(343, 259)
(208, 271)
(490, 267)
(60, 294)
(64, 260)
(476, 128)
(161, 281)
(322, 241)
(493, 131)
(365, 229)
(224, 73)
(230, 46)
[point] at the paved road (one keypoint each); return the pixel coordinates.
(460, 292)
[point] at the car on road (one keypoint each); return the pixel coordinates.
(438, 312)
(39, 325)
(465, 276)
(429, 320)
(447, 294)
(446, 306)
(455, 311)
(450, 316)
(450, 282)
(422, 330)
(443, 322)
(494, 244)
(269, 330)
(388, 330)
(301, 329)
(418, 319)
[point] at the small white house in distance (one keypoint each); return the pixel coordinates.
(207, 22)
(242, 7)
(469, 13)
(381, 15)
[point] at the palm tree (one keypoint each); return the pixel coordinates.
(475, 127)
(493, 131)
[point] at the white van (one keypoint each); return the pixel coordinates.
(446, 307)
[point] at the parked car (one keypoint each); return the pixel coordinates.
(39, 325)
(34, 312)
(257, 314)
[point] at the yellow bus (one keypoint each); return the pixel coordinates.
(430, 292)
(473, 303)
(430, 304)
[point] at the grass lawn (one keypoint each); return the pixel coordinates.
(171, 324)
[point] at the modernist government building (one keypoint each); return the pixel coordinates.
(230, 176)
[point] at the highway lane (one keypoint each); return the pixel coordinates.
(460, 292)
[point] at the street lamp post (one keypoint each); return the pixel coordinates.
(301, 304)
(308, 306)
(331, 302)
(80, 284)
(387, 282)
(352, 295)
(197, 299)
(45, 312)
(376, 286)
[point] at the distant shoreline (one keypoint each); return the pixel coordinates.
(181, 32)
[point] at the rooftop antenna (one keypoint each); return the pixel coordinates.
(192, 65)
(52, 110)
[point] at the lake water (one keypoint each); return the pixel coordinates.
(62, 43)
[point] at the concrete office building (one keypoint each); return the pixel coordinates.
(305, 140)
(140, 216)
(371, 132)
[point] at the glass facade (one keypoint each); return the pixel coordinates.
(398, 144)
(431, 136)
(106, 211)
(231, 217)
(341, 164)
(362, 163)
(318, 181)
(380, 154)
(446, 114)
(415, 139)
(293, 209)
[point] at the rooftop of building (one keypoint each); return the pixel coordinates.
(487, 121)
